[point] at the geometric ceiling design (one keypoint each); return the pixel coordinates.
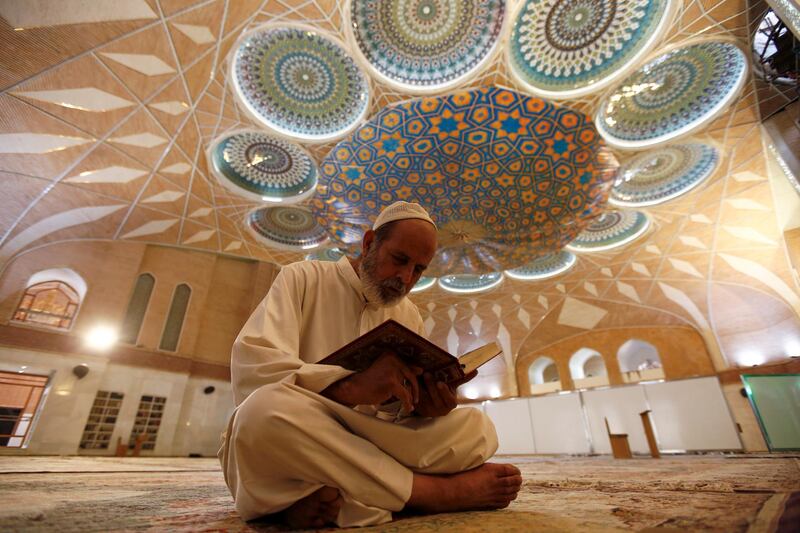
(104, 137)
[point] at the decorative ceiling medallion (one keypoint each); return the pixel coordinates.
(425, 45)
(298, 83)
(673, 94)
(659, 175)
(507, 177)
(286, 228)
(544, 267)
(326, 254)
(423, 283)
(262, 167)
(569, 48)
(610, 230)
(470, 283)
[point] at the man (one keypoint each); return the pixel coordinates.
(306, 439)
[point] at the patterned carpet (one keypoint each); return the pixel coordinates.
(693, 493)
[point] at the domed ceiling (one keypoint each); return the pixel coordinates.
(192, 123)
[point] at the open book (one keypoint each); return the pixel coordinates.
(413, 350)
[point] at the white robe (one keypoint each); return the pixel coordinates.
(285, 440)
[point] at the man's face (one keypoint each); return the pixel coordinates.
(390, 270)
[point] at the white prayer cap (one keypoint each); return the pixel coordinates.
(402, 211)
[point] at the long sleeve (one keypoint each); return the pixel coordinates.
(267, 349)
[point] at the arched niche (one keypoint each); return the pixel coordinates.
(543, 376)
(64, 275)
(51, 299)
(639, 361)
(587, 368)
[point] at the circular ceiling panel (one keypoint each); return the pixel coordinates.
(569, 48)
(425, 45)
(544, 267)
(659, 175)
(262, 167)
(506, 177)
(286, 228)
(299, 83)
(423, 283)
(326, 254)
(470, 283)
(673, 94)
(610, 230)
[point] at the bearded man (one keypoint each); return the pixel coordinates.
(318, 444)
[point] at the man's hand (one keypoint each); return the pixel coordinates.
(388, 377)
(438, 398)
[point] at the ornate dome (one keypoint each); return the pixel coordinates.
(507, 177)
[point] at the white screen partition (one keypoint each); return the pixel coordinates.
(691, 414)
(621, 405)
(558, 424)
(513, 423)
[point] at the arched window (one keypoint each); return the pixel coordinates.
(639, 360)
(137, 306)
(587, 368)
(51, 299)
(543, 370)
(177, 313)
(543, 375)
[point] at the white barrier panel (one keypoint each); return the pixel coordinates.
(558, 424)
(691, 414)
(621, 406)
(513, 423)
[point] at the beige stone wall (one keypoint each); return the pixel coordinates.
(681, 349)
(224, 290)
(227, 307)
(172, 267)
(109, 269)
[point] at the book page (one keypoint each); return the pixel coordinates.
(472, 360)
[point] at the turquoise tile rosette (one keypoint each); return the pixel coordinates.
(424, 283)
(262, 167)
(465, 283)
(326, 254)
(659, 175)
(298, 83)
(673, 94)
(544, 267)
(285, 228)
(425, 45)
(569, 48)
(612, 229)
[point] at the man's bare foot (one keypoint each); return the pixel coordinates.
(318, 509)
(490, 486)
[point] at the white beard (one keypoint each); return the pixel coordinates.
(375, 290)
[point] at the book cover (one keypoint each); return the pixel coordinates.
(413, 349)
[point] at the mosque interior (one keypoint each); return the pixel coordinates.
(616, 186)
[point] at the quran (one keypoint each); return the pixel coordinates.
(413, 350)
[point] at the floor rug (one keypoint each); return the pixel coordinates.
(687, 493)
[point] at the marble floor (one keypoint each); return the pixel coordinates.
(730, 493)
